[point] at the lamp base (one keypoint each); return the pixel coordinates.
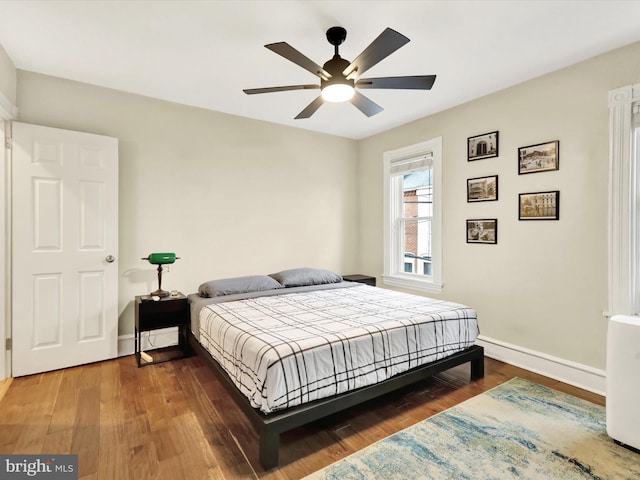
(160, 293)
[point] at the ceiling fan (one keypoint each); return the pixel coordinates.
(340, 78)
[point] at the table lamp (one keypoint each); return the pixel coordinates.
(160, 259)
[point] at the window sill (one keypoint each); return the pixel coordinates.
(423, 285)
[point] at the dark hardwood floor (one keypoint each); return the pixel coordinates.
(174, 420)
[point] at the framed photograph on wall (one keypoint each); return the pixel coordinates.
(482, 146)
(482, 230)
(482, 189)
(539, 206)
(542, 157)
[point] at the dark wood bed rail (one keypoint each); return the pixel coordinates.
(270, 426)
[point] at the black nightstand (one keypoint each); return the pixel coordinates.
(172, 311)
(366, 279)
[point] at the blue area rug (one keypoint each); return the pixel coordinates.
(518, 430)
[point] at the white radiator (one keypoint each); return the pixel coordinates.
(623, 380)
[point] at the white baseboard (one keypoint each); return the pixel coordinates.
(576, 374)
(164, 337)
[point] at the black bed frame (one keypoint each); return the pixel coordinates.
(270, 426)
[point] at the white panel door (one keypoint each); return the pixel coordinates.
(65, 242)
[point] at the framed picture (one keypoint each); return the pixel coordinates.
(482, 189)
(542, 157)
(482, 231)
(482, 146)
(539, 206)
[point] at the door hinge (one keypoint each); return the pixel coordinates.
(8, 344)
(8, 135)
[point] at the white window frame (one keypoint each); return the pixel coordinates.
(624, 200)
(393, 261)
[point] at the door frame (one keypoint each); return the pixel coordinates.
(8, 112)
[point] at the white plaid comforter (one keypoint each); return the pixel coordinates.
(294, 348)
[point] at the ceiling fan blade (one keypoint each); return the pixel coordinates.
(253, 91)
(366, 106)
(417, 82)
(387, 42)
(311, 108)
(287, 51)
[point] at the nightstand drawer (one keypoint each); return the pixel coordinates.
(154, 315)
(149, 307)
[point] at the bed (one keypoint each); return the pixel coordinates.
(296, 346)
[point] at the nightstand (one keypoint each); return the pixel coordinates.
(366, 279)
(172, 311)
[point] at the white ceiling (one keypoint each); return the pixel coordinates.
(203, 53)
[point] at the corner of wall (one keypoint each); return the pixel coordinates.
(8, 79)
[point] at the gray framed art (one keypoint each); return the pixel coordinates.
(542, 157)
(482, 230)
(539, 205)
(482, 189)
(482, 146)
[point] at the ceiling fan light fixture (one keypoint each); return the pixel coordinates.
(338, 76)
(337, 92)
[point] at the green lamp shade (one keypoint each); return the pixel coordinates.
(161, 258)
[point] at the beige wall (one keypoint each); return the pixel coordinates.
(544, 285)
(231, 196)
(235, 196)
(7, 77)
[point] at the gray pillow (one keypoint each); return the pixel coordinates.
(229, 286)
(299, 277)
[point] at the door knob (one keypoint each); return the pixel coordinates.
(110, 259)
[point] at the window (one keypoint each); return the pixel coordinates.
(412, 218)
